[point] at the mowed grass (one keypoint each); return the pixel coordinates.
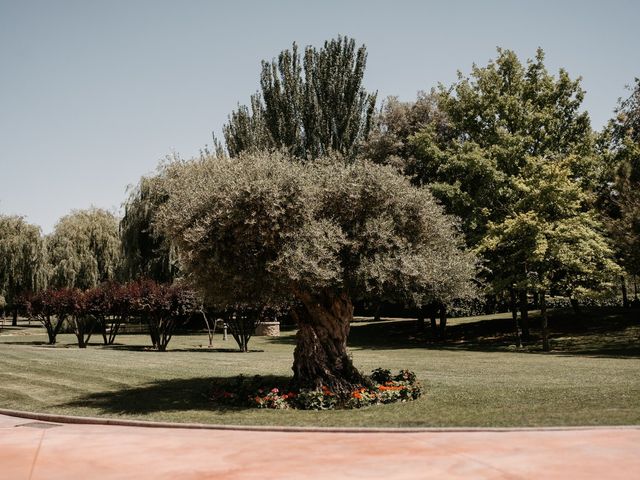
(475, 378)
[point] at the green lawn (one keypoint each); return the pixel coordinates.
(475, 378)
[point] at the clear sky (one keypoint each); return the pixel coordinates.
(94, 93)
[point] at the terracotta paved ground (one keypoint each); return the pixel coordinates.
(42, 450)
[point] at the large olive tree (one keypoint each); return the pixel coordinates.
(264, 228)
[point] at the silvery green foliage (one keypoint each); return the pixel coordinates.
(263, 226)
(84, 249)
(310, 105)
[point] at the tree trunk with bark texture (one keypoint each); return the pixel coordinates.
(420, 323)
(14, 321)
(320, 357)
(443, 321)
(545, 322)
(625, 297)
(376, 314)
(524, 314)
(490, 304)
(536, 300)
(514, 314)
(576, 305)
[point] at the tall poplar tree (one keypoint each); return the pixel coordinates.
(310, 104)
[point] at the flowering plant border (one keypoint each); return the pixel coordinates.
(254, 392)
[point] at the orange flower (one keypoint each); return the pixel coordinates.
(391, 387)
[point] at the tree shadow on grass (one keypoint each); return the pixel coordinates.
(175, 395)
(597, 332)
(148, 348)
(29, 342)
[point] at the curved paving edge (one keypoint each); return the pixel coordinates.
(48, 417)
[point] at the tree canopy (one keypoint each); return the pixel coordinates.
(145, 252)
(310, 105)
(623, 135)
(496, 118)
(84, 249)
(23, 266)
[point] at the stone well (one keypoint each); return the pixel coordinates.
(268, 329)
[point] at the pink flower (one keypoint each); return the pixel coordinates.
(274, 390)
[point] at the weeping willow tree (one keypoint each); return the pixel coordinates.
(84, 249)
(309, 104)
(146, 253)
(23, 266)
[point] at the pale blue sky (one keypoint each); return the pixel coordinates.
(93, 94)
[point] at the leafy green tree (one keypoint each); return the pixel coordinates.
(621, 204)
(84, 249)
(145, 252)
(23, 265)
(310, 105)
(550, 242)
(496, 118)
(472, 153)
(390, 141)
(263, 228)
(246, 129)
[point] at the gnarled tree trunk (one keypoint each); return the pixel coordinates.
(320, 357)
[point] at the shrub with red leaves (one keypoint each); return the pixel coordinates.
(162, 307)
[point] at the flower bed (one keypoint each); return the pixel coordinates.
(257, 392)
